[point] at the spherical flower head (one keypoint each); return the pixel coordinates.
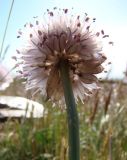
(62, 37)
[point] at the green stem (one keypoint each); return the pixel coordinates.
(72, 115)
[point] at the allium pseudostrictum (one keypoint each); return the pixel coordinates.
(62, 37)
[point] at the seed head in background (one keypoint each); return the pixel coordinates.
(5, 78)
(61, 36)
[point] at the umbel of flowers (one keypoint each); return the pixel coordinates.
(61, 37)
(61, 57)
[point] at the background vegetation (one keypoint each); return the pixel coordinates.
(103, 128)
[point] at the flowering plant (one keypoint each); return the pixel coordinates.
(61, 58)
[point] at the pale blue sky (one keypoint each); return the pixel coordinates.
(111, 15)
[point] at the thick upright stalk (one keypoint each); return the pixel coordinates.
(72, 115)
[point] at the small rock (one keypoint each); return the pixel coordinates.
(12, 106)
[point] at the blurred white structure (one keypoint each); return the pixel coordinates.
(20, 107)
(5, 78)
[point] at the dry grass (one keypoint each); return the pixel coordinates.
(103, 129)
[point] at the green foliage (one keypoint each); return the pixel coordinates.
(103, 129)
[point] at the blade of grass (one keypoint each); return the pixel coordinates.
(4, 52)
(4, 36)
